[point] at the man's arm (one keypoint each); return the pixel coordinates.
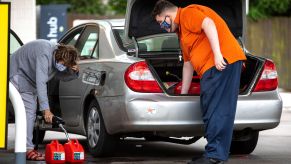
(211, 32)
(187, 77)
(41, 86)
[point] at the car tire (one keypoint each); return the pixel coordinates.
(99, 142)
(245, 146)
(41, 134)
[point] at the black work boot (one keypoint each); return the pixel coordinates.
(204, 160)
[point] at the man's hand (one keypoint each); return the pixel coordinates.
(48, 115)
(219, 62)
(76, 68)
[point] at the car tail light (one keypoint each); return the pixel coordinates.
(269, 78)
(139, 78)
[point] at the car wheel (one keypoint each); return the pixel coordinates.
(99, 142)
(40, 135)
(245, 146)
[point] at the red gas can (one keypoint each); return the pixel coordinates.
(194, 87)
(54, 152)
(74, 151)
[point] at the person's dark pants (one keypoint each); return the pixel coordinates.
(219, 93)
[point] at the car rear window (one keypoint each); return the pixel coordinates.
(159, 43)
(154, 43)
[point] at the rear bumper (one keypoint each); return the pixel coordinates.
(181, 116)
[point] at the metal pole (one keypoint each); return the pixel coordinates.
(247, 7)
(20, 124)
(244, 19)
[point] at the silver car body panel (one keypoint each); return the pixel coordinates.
(181, 116)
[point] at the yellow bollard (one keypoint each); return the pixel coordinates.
(4, 47)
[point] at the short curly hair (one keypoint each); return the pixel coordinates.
(161, 6)
(67, 53)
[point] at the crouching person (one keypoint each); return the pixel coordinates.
(31, 67)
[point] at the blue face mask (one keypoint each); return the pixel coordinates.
(165, 24)
(60, 67)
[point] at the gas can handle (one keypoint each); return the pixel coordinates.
(75, 141)
(55, 142)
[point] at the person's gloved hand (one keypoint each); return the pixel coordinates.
(48, 115)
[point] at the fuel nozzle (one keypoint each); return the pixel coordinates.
(56, 121)
(59, 122)
(168, 73)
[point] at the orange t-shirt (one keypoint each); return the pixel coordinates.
(194, 42)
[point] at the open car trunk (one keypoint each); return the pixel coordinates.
(140, 23)
(168, 72)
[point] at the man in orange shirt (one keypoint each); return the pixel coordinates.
(210, 49)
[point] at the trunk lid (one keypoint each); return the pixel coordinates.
(139, 22)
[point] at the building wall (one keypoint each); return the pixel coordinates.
(23, 19)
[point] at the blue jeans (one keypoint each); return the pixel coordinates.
(219, 94)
